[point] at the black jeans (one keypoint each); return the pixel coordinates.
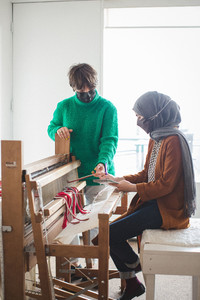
(146, 217)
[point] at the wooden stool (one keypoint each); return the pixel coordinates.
(171, 252)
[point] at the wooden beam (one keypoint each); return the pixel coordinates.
(124, 205)
(45, 280)
(72, 251)
(44, 163)
(74, 288)
(111, 204)
(55, 174)
(13, 217)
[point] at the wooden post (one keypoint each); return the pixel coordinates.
(36, 220)
(86, 241)
(62, 146)
(103, 273)
(12, 220)
(124, 205)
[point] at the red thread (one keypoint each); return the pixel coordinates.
(73, 206)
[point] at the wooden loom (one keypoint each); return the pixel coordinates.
(24, 245)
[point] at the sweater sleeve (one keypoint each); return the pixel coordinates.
(167, 173)
(109, 137)
(56, 122)
(137, 178)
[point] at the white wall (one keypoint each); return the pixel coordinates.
(5, 69)
(48, 38)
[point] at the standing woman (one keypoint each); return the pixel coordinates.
(91, 123)
(165, 188)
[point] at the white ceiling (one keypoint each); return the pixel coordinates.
(126, 3)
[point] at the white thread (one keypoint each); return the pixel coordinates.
(99, 194)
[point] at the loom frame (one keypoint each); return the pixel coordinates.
(13, 227)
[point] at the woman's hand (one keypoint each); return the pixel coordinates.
(64, 132)
(100, 170)
(103, 176)
(126, 186)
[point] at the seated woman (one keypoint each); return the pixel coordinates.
(165, 188)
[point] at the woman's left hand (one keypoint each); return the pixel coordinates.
(126, 186)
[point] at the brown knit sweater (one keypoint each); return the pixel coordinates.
(168, 187)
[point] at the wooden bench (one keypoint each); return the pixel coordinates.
(171, 252)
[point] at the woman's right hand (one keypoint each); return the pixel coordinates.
(64, 132)
(111, 177)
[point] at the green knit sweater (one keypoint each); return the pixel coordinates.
(95, 131)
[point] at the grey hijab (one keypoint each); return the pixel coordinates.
(164, 114)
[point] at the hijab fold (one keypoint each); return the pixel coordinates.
(188, 171)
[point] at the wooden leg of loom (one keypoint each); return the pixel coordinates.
(63, 271)
(86, 241)
(86, 234)
(45, 281)
(124, 205)
(12, 220)
(103, 274)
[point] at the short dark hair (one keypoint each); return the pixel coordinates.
(81, 76)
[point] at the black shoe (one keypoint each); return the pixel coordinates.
(128, 295)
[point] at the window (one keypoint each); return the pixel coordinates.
(148, 49)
